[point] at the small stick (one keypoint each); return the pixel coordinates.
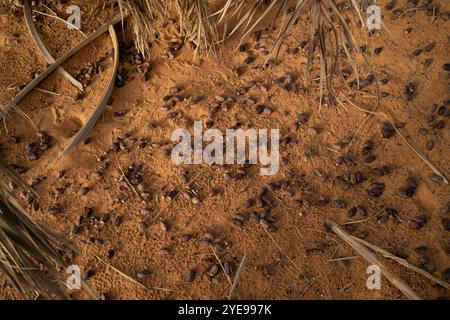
(422, 156)
(345, 287)
(330, 149)
(125, 177)
(130, 278)
(284, 205)
(343, 258)
(354, 222)
(434, 14)
(164, 289)
(238, 275)
(60, 19)
(282, 251)
(47, 91)
(51, 11)
(123, 274)
(221, 265)
(310, 283)
(170, 202)
(4, 124)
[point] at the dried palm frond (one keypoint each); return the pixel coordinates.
(245, 22)
(143, 14)
(329, 31)
(226, 8)
(197, 23)
(28, 252)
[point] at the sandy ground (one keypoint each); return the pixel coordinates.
(172, 237)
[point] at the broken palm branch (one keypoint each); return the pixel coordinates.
(81, 135)
(38, 41)
(237, 277)
(29, 253)
(372, 259)
(31, 85)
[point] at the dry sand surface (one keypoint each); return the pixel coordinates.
(171, 229)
